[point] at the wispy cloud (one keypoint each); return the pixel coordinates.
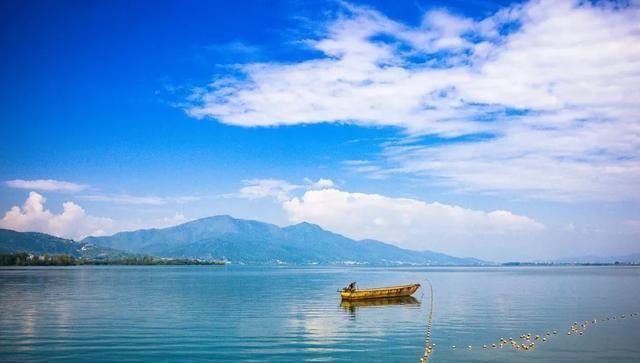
(46, 185)
(632, 225)
(227, 54)
(278, 189)
(552, 83)
(138, 199)
(371, 168)
(266, 188)
(321, 183)
(234, 49)
(165, 221)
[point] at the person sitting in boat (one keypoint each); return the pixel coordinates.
(351, 287)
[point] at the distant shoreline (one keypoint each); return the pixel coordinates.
(27, 259)
(550, 264)
(24, 259)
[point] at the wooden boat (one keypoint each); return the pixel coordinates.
(351, 292)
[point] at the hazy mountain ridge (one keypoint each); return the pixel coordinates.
(248, 241)
(42, 243)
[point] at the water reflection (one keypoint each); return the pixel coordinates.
(197, 314)
(353, 306)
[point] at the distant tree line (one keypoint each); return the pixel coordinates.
(27, 259)
(616, 263)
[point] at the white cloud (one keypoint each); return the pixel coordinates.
(177, 218)
(320, 183)
(556, 94)
(133, 224)
(72, 222)
(278, 189)
(138, 200)
(263, 188)
(46, 185)
(411, 223)
(632, 225)
(231, 51)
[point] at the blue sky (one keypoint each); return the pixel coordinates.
(493, 129)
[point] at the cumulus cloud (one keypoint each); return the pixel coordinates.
(46, 185)
(544, 94)
(72, 222)
(408, 222)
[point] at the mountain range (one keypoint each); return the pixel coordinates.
(249, 242)
(254, 242)
(42, 243)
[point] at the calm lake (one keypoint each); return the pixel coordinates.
(293, 314)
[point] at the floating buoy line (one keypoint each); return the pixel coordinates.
(527, 341)
(428, 346)
(524, 342)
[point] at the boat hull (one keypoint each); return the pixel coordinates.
(378, 293)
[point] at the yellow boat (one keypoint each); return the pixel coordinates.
(351, 292)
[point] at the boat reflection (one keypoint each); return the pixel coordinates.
(353, 306)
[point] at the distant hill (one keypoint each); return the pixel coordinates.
(632, 258)
(41, 243)
(247, 241)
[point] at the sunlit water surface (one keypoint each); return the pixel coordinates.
(269, 314)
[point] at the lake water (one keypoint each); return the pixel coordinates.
(272, 314)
